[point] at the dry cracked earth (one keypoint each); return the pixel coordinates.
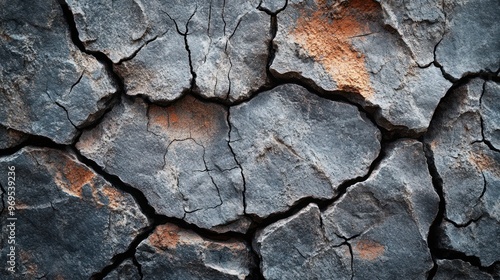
(271, 139)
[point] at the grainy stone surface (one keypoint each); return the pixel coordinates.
(470, 43)
(47, 86)
(173, 253)
(345, 46)
(10, 138)
(218, 41)
(126, 271)
(292, 144)
(70, 221)
(470, 175)
(178, 156)
(460, 270)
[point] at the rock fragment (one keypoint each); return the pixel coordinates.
(126, 271)
(292, 144)
(470, 43)
(470, 175)
(10, 138)
(47, 86)
(178, 156)
(273, 6)
(386, 218)
(490, 113)
(70, 221)
(345, 46)
(174, 44)
(460, 270)
(297, 248)
(174, 253)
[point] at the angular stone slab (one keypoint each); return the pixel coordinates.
(174, 253)
(47, 86)
(70, 221)
(167, 44)
(345, 46)
(459, 270)
(297, 248)
(470, 175)
(387, 217)
(178, 156)
(292, 144)
(10, 138)
(470, 44)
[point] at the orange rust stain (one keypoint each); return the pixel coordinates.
(369, 250)
(75, 176)
(326, 34)
(485, 162)
(113, 195)
(188, 118)
(165, 236)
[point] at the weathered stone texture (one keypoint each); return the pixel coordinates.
(459, 270)
(70, 221)
(292, 144)
(174, 253)
(47, 86)
(470, 174)
(10, 138)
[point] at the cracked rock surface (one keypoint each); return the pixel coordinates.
(69, 214)
(261, 139)
(470, 172)
(48, 87)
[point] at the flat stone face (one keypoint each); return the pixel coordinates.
(387, 217)
(292, 144)
(470, 43)
(10, 138)
(469, 170)
(70, 221)
(166, 44)
(297, 248)
(345, 46)
(460, 270)
(47, 86)
(178, 156)
(490, 112)
(174, 253)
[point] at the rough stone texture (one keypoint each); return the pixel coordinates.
(292, 144)
(490, 113)
(459, 270)
(126, 271)
(387, 217)
(10, 138)
(47, 86)
(70, 221)
(344, 46)
(470, 175)
(297, 248)
(273, 6)
(178, 156)
(470, 43)
(385, 220)
(219, 41)
(173, 253)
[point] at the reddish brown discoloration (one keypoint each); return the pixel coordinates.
(74, 177)
(188, 118)
(165, 236)
(485, 163)
(326, 34)
(113, 195)
(369, 250)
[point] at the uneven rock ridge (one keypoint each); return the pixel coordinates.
(263, 139)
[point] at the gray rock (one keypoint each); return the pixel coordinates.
(292, 144)
(178, 156)
(470, 175)
(490, 113)
(163, 42)
(125, 271)
(297, 248)
(470, 44)
(174, 253)
(70, 221)
(459, 270)
(273, 6)
(344, 46)
(47, 86)
(10, 138)
(387, 217)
